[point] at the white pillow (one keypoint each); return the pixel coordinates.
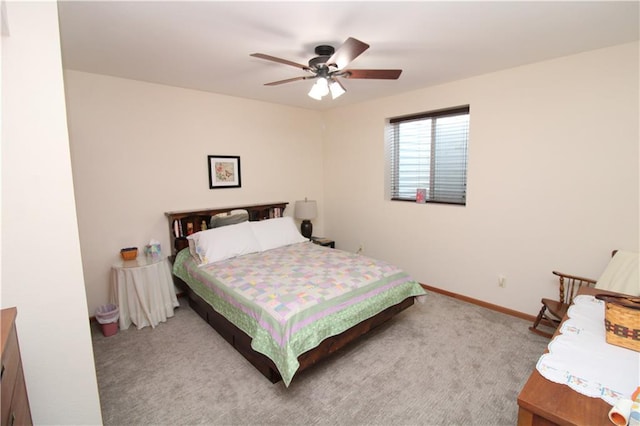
(278, 232)
(214, 245)
(193, 250)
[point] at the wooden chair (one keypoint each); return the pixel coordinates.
(553, 311)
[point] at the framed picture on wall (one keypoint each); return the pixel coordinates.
(224, 171)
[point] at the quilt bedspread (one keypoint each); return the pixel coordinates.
(291, 298)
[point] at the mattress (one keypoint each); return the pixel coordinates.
(291, 298)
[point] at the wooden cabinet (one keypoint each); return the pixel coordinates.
(15, 404)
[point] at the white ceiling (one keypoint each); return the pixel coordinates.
(205, 45)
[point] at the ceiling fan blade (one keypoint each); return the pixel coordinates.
(288, 80)
(374, 74)
(346, 53)
(279, 60)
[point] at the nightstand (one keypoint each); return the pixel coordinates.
(325, 242)
(143, 290)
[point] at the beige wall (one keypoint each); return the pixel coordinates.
(140, 149)
(41, 263)
(553, 172)
(552, 179)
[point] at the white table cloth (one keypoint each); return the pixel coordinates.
(144, 292)
(581, 358)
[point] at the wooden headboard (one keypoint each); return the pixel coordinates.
(189, 221)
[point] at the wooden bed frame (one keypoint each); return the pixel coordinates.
(238, 338)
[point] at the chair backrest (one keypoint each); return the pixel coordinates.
(570, 284)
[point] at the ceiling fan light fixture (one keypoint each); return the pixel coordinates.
(315, 93)
(328, 65)
(337, 89)
(319, 89)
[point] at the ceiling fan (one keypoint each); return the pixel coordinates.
(329, 65)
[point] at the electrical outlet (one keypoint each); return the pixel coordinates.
(360, 248)
(502, 281)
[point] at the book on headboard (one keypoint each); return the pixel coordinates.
(275, 212)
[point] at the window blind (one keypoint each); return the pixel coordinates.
(429, 151)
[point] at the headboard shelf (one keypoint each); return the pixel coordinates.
(189, 221)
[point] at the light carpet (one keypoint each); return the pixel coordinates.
(443, 362)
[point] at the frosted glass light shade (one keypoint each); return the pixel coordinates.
(336, 89)
(319, 89)
(313, 93)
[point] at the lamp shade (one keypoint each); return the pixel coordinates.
(337, 89)
(319, 89)
(306, 209)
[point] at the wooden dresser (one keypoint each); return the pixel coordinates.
(543, 403)
(15, 404)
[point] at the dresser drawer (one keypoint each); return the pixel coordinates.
(15, 403)
(10, 366)
(19, 413)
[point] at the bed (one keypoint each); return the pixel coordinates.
(282, 301)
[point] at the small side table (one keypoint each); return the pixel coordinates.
(325, 242)
(143, 290)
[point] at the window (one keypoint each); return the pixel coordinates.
(429, 151)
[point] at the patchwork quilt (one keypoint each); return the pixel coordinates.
(291, 298)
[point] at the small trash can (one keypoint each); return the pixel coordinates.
(107, 316)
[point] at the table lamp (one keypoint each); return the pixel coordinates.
(306, 210)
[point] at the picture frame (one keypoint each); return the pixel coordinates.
(224, 171)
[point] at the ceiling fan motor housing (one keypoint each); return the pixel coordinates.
(324, 52)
